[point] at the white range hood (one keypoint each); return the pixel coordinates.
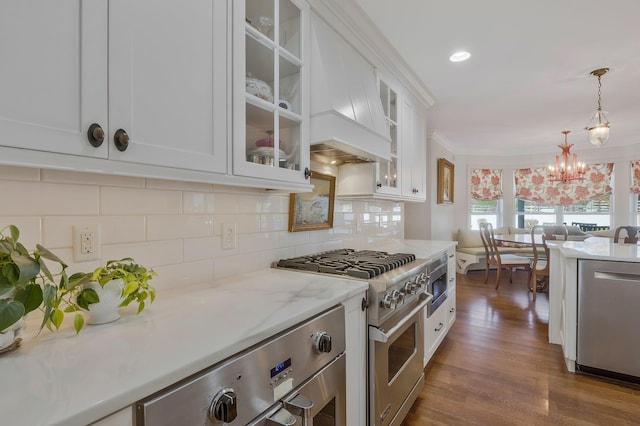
(347, 120)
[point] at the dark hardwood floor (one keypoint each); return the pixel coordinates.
(496, 367)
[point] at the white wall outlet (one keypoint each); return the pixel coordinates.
(86, 242)
(229, 239)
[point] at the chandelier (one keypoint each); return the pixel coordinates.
(598, 127)
(567, 168)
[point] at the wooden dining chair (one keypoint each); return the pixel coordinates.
(500, 261)
(540, 265)
(632, 234)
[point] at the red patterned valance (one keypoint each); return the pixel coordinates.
(486, 184)
(635, 174)
(532, 185)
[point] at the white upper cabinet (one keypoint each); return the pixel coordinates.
(167, 82)
(75, 74)
(414, 151)
(271, 90)
(53, 74)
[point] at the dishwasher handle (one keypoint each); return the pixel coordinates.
(616, 276)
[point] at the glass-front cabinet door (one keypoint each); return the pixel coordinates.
(271, 90)
(387, 179)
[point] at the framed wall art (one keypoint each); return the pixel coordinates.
(445, 181)
(313, 210)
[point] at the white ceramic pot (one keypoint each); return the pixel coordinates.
(106, 310)
(10, 338)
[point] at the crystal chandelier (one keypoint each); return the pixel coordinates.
(598, 127)
(567, 168)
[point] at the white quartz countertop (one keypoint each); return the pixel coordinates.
(598, 248)
(64, 379)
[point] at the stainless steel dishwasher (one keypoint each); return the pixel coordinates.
(608, 318)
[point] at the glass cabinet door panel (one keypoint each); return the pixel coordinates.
(261, 141)
(290, 140)
(393, 106)
(260, 15)
(260, 70)
(289, 31)
(289, 86)
(384, 98)
(393, 130)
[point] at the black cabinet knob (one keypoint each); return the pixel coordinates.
(95, 135)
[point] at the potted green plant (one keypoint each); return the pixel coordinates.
(27, 284)
(117, 284)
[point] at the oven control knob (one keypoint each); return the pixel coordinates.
(323, 342)
(395, 294)
(409, 288)
(223, 408)
(388, 302)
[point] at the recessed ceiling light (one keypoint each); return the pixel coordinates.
(459, 56)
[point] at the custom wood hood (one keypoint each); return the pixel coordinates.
(347, 119)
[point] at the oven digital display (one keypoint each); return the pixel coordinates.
(279, 368)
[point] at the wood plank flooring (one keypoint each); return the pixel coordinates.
(496, 367)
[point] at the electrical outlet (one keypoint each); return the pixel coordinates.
(229, 240)
(86, 242)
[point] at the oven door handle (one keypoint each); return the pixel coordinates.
(380, 336)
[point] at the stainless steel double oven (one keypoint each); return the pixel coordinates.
(295, 378)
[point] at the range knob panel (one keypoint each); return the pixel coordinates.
(323, 342)
(224, 406)
(388, 302)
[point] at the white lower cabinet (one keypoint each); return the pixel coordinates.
(356, 349)
(440, 322)
(123, 417)
(435, 329)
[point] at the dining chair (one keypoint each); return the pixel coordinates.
(632, 234)
(540, 265)
(500, 261)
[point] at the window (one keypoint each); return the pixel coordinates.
(530, 213)
(637, 209)
(483, 211)
(592, 211)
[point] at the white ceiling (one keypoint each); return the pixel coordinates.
(528, 77)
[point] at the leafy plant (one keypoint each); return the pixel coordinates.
(136, 280)
(27, 284)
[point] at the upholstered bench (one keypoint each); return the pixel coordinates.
(470, 251)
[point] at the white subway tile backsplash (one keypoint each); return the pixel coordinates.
(179, 185)
(225, 203)
(29, 227)
(57, 231)
(83, 178)
(175, 227)
(202, 248)
(151, 254)
(115, 200)
(263, 204)
(183, 274)
(198, 203)
(245, 223)
(167, 227)
(35, 198)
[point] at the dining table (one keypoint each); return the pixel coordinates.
(524, 239)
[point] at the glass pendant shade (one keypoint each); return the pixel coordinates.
(598, 128)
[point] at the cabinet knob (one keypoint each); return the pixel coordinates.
(121, 140)
(379, 185)
(307, 173)
(95, 134)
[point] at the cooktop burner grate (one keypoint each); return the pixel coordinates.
(364, 264)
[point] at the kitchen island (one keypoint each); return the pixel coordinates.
(64, 379)
(563, 285)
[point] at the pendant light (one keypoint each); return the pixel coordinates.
(598, 127)
(566, 168)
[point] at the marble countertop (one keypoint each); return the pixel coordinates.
(598, 248)
(64, 379)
